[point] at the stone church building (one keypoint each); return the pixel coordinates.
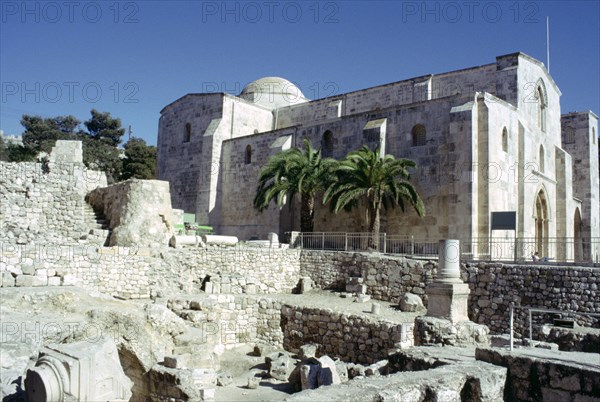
(485, 139)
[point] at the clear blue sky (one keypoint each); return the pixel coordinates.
(132, 58)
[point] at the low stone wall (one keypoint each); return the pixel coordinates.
(573, 339)
(137, 272)
(231, 320)
(387, 277)
(538, 376)
(236, 269)
(494, 286)
(349, 337)
(117, 271)
(131, 272)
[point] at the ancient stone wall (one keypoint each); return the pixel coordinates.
(349, 337)
(387, 278)
(135, 273)
(269, 270)
(44, 202)
(495, 286)
(538, 376)
(132, 272)
(231, 320)
(117, 271)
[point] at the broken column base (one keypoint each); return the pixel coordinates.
(430, 331)
(83, 371)
(448, 301)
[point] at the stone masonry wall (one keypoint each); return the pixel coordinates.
(135, 273)
(231, 320)
(131, 272)
(495, 286)
(349, 337)
(387, 277)
(120, 272)
(234, 269)
(44, 202)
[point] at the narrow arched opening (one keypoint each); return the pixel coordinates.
(187, 136)
(248, 156)
(541, 224)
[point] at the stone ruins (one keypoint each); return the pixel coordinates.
(107, 296)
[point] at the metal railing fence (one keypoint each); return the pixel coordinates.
(546, 250)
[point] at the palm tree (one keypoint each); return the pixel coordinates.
(292, 172)
(380, 180)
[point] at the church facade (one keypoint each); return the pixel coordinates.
(485, 139)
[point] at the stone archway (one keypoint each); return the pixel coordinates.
(577, 240)
(541, 224)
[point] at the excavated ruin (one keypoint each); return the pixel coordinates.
(215, 319)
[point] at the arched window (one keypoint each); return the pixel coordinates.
(569, 135)
(541, 159)
(327, 144)
(248, 157)
(255, 131)
(504, 140)
(541, 215)
(594, 135)
(188, 132)
(419, 135)
(542, 105)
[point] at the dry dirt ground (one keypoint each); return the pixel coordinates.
(242, 365)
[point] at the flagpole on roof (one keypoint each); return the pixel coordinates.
(548, 42)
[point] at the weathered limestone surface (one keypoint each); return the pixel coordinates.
(138, 211)
(231, 320)
(44, 202)
(351, 338)
(573, 339)
(476, 381)
(63, 371)
(438, 331)
(35, 317)
(535, 374)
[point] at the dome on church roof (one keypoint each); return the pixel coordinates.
(274, 86)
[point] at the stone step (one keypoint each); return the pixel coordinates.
(99, 232)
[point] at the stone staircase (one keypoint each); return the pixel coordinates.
(99, 231)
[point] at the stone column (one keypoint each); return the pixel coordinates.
(447, 295)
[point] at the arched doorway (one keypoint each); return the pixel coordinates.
(577, 240)
(541, 224)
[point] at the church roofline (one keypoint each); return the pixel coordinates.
(189, 95)
(413, 79)
(577, 113)
(441, 75)
(419, 78)
(534, 61)
(222, 94)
